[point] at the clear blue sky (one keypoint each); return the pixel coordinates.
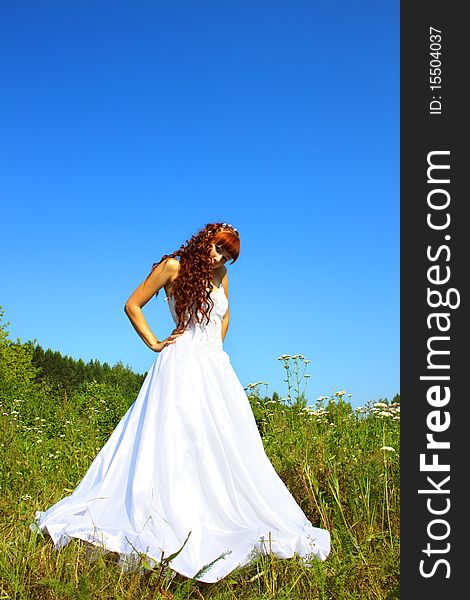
(128, 125)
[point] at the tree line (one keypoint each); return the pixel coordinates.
(23, 364)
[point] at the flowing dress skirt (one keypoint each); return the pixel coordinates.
(186, 460)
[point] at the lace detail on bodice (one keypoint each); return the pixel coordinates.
(206, 336)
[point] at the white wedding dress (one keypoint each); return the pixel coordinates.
(187, 459)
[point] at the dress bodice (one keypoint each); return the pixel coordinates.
(206, 335)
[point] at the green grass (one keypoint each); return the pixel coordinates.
(341, 464)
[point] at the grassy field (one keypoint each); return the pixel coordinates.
(340, 463)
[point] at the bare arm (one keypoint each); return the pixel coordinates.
(160, 276)
(226, 319)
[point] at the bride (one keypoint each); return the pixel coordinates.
(185, 473)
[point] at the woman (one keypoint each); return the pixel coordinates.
(185, 470)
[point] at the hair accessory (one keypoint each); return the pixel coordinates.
(230, 225)
(223, 225)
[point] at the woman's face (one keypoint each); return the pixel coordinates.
(219, 256)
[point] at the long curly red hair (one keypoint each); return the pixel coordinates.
(193, 286)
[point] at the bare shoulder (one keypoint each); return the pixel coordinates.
(171, 265)
(161, 276)
(166, 270)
